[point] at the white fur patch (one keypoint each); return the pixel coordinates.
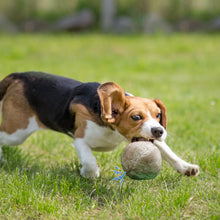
(148, 125)
(101, 138)
(20, 135)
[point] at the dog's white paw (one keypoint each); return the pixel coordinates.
(189, 169)
(192, 170)
(89, 172)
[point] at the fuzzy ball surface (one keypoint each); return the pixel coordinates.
(141, 160)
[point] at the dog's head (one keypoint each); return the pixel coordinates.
(137, 119)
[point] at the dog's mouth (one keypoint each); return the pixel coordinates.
(135, 139)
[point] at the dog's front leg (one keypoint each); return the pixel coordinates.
(88, 161)
(177, 163)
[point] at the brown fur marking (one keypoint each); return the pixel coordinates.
(112, 100)
(15, 109)
(163, 120)
(82, 114)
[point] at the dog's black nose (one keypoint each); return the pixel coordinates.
(157, 132)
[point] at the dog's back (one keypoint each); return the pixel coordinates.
(49, 96)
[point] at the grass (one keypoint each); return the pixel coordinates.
(41, 180)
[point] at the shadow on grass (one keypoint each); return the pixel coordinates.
(63, 179)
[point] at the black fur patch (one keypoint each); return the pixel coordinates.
(50, 97)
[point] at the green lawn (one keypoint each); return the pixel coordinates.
(41, 180)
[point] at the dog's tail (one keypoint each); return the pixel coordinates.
(4, 84)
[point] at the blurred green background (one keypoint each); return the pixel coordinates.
(181, 15)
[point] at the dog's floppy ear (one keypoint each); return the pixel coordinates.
(163, 119)
(113, 101)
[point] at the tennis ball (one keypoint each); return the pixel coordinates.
(141, 160)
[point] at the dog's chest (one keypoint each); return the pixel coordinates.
(101, 138)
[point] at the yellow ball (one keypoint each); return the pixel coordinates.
(141, 160)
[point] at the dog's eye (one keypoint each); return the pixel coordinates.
(158, 115)
(136, 117)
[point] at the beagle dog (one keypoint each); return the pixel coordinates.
(98, 116)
